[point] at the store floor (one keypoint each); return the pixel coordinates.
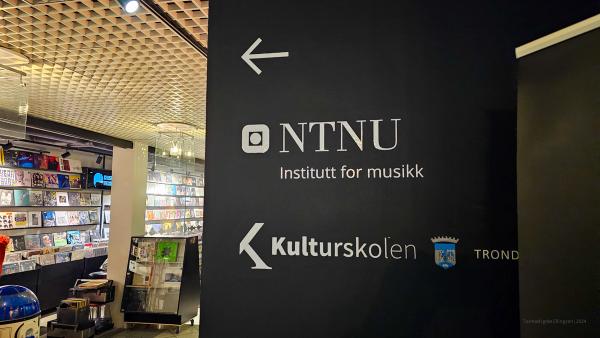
(186, 331)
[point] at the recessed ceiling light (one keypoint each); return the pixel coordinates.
(130, 6)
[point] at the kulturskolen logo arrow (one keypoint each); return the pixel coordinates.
(245, 246)
(248, 56)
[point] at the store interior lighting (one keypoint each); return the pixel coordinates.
(66, 154)
(130, 6)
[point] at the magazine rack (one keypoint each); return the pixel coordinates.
(162, 283)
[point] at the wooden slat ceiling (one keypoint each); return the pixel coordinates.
(98, 68)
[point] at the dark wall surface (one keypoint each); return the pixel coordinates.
(559, 189)
(447, 71)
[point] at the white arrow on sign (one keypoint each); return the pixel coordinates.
(248, 56)
(245, 246)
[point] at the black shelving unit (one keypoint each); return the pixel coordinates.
(158, 290)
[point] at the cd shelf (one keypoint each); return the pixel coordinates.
(151, 207)
(175, 219)
(151, 194)
(42, 170)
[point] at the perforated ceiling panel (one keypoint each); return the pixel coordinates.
(190, 14)
(97, 68)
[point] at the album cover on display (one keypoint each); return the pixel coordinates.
(51, 180)
(10, 158)
(100, 251)
(93, 216)
(35, 219)
(22, 178)
(27, 265)
(95, 200)
(64, 164)
(18, 243)
(37, 160)
(7, 177)
(21, 219)
(73, 217)
(6, 197)
(6, 220)
(47, 250)
(60, 238)
(62, 218)
(36, 198)
(37, 180)
(77, 255)
(74, 199)
(12, 257)
(47, 259)
(50, 198)
(172, 277)
(106, 216)
(106, 199)
(166, 251)
(73, 237)
(77, 246)
(41, 161)
(10, 246)
(85, 236)
(32, 242)
(25, 159)
(63, 181)
(75, 181)
(49, 218)
(21, 197)
(62, 257)
(10, 268)
(84, 217)
(47, 240)
(85, 199)
(62, 199)
(52, 162)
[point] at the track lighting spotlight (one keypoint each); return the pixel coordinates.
(99, 159)
(130, 6)
(65, 154)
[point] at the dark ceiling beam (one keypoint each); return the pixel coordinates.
(158, 12)
(75, 132)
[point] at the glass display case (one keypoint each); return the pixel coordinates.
(162, 280)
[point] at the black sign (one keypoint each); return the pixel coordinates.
(360, 171)
(558, 189)
(97, 178)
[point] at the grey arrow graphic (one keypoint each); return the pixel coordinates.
(248, 56)
(245, 246)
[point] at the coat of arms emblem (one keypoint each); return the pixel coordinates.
(445, 251)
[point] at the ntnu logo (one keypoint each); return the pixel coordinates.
(255, 137)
